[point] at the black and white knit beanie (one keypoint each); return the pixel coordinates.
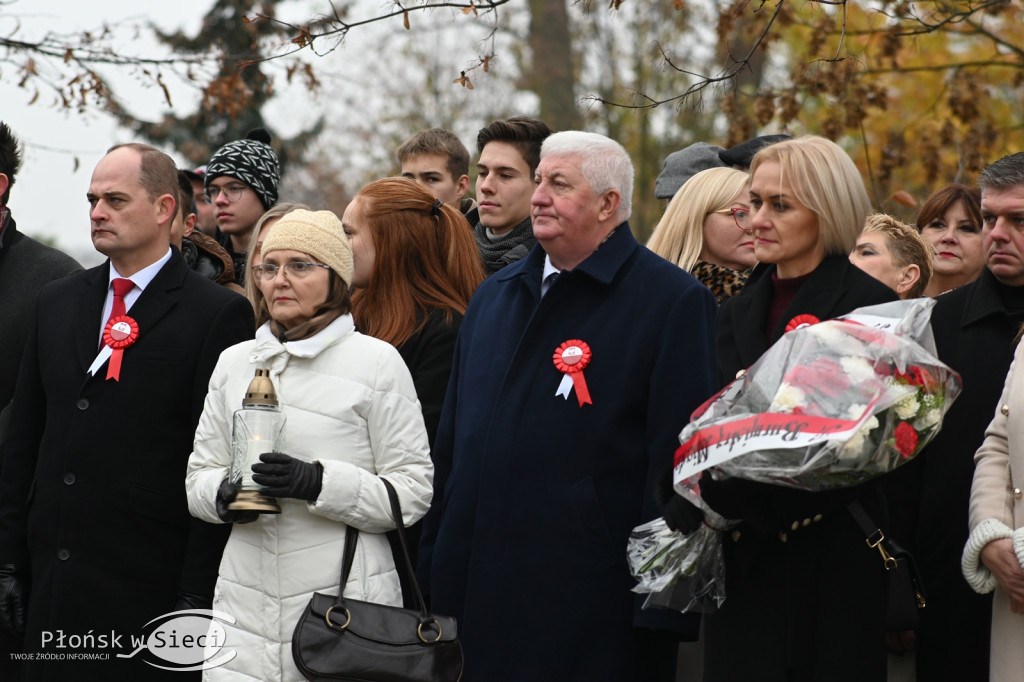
(252, 161)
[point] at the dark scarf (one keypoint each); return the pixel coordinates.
(512, 246)
(723, 282)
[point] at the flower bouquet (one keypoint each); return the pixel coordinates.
(830, 405)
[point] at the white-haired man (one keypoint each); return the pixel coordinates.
(565, 403)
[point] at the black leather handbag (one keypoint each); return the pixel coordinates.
(904, 588)
(346, 639)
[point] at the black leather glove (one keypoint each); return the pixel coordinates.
(12, 601)
(226, 495)
(681, 515)
(285, 476)
(190, 601)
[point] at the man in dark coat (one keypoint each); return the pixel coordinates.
(565, 403)
(975, 329)
(25, 266)
(95, 534)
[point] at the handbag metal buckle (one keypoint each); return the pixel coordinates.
(348, 619)
(887, 559)
(419, 632)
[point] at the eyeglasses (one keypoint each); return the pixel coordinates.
(232, 192)
(741, 216)
(293, 270)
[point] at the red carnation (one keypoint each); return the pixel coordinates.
(906, 439)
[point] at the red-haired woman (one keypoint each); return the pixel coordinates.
(416, 266)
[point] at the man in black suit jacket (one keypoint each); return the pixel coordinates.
(95, 534)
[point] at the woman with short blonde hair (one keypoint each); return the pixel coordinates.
(705, 230)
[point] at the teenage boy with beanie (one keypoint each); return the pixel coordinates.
(201, 252)
(437, 160)
(241, 183)
(509, 154)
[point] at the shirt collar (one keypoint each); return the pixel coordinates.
(143, 277)
(549, 269)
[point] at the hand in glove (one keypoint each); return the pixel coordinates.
(226, 495)
(285, 476)
(683, 516)
(12, 601)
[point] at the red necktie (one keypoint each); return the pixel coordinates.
(121, 287)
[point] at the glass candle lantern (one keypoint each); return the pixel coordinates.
(258, 428)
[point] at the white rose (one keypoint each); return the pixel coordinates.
(828, 332)
(852, 449)
(858, 369)
(907, 407)
(927, 420)
(855, 411)
(787, 399)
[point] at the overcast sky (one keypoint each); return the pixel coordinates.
(49, 197)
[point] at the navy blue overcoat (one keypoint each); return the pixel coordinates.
(536, 494)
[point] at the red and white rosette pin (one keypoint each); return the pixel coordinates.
(570, 359)
(801, 321)
(119, 333)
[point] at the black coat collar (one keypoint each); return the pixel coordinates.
(834, 288)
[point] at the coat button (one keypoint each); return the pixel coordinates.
(1005, 409)
(794, 525)
(817, 517)
(736, 535)
(69, 479)
(783, 537)
(807, 522)
(1016, 493)
(82, 404)
(63, 555)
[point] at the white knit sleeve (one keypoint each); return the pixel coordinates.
(978, 576)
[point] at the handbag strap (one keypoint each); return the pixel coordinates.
(406, 569)
(873, 535)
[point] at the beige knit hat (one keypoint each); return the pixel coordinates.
(318, 233)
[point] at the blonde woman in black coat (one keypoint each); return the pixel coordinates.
(804, 593)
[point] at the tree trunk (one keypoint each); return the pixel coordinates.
(551, 73)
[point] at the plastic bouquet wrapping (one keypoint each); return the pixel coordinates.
(830, 405)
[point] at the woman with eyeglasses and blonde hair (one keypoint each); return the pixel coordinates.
(706, 231)
(352, 419)
(805, 595)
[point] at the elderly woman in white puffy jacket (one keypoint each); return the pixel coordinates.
(352, 417)
(994, 554)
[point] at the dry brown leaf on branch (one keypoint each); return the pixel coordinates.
(464, 81)
(405, 19)
(903, 198)
(163, 86)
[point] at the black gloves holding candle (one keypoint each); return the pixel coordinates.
(285, 476)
